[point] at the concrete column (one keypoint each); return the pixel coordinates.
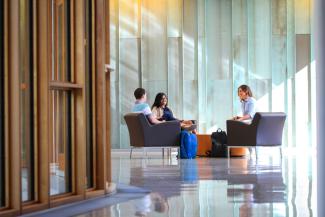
(320, 101)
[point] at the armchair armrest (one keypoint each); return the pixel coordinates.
(163, 134)
(168, 127)
(237, 123)
(166, 123)
(239, 132)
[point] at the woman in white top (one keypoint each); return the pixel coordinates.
(248, 103)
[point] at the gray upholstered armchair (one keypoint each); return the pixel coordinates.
(143, 134)
(265, 129)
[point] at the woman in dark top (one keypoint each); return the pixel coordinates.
(162, 112)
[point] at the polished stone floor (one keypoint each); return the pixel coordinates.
(156, 186)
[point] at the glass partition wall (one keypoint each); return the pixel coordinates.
(200, 51)
(2, 100)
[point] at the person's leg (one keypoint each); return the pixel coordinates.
(187, 122)
(187, 125)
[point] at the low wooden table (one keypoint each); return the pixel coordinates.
(205, 143)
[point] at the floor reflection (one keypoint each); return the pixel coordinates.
(209, 187)
(210, 182)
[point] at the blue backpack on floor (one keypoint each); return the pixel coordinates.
(188, 147)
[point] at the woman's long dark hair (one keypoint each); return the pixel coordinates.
(158, 99)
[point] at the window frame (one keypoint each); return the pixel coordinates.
(89, 97)
(63, 86)
(27, 52)
(2, 107)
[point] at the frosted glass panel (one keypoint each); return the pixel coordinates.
(219, 104)
(190, 82)
(278, 73)
(239, 17)
(175, 94)
(218, 39)
(240, 60)
(260, 89)
(128, 16)
(154, 41)
(279, 12)
(154, 87)
(279, 60)
(115, 119)
(125, 140)
(291, 37)
(129, 77)
(240, 67)
(189, 40)
(259, 37)
(202, 85)
(190, 99)
(302, 122)
(129, 81)
(113, 31)
(302, 16)
(201, 18)
(302, 89)
(174, 14)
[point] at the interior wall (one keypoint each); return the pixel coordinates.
(200, 51)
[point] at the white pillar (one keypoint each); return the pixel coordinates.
(320, 102)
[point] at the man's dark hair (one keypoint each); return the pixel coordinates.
(139, 92)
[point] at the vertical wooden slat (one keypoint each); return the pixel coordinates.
(6, 90)
(43, 70)
(114, 77)
(108, 95)
(14, 107)
(74, 167)
(93, 80)
(35, 108)
(100, 94)
(108, 131)
(80, 100)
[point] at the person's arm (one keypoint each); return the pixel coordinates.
(155, 112)
(250, 112)
(151, 117)
(154, 120)
(250, 109)
(245, 117)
